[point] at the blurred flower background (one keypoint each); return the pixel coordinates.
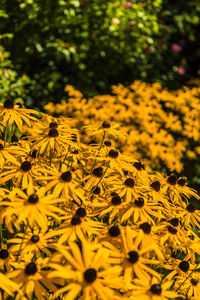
(95, 44)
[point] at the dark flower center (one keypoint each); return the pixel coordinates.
(133, 257)
(14, 139)
(190, 208)
(138, 165)
(172, 230)
(1, 147)
(53, 132)
(182, 181)
(90, 275)
(129, 182)
(174, 222)
(98, 172)
(113, 153)
(66, 176)
(116, 200)
(33, 199)
(8, 104)
(172, 179)
(33, 154)
(26, 166)
(96, 190)
(146, 227)
(76, 220)
(106, 124)
(114, 231)
(35, 238)
(194, 281)
(139, 202)
(31, 269)
(155, 185)
(53, 125)
(184, 266)
(156, 289)
(108, 143)
(4, 254)
(81, 212)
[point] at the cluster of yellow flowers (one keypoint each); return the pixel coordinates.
(86, 221)
(162, 127)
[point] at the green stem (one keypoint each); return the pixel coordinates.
(11, 133)
(20, 248)
(101, 178)
(187, 277)
(65, 157)
(51, 156)
(5, 136)
(102, 140)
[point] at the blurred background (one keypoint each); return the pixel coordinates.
(93, 44)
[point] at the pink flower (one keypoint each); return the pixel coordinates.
(181, 70)
(5, 74)
(132, 22)
(176, 48)
(115, 21)
(127, 4)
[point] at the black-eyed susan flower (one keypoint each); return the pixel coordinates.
(189, 286)
(49, 137)
(77, 225)
(31, 278)
(20, 172)
(34, 208)
(189, 215)
(12, 113)
(33, 242)
(133, 258)
(90, 273)
(153, 289)
(64, 183)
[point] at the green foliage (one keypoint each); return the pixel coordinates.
(11, 85)
(93, 44)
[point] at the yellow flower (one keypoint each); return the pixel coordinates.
(77, 225)
(12, 113)
(152, 290)
(64, 183)
(32, 279)
(90, 273)
(7, 285)
(133, 259)
(33, 208)
(32, 243)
